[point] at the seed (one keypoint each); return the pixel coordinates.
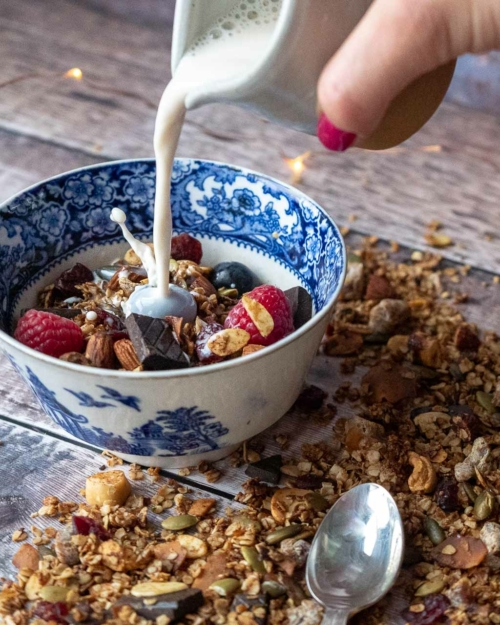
(429, 588)
(484, 505)
(252, 558)
(54, 594)
(274, 538)
(273, 589)
(43, 551)
(469, 491)
(181, 522)
(485, 400)
(318, 502)
(224, 292)
(154, 589)
(225, 587)
(434, 531)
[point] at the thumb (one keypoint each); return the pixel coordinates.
(395, 43)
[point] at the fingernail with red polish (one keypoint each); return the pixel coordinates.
(333, 138)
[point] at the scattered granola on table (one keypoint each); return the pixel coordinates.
(425, 393)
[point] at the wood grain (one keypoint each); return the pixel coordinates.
(393, 194)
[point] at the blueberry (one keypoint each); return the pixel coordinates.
(233, 276)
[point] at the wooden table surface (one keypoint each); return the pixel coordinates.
(48, 124)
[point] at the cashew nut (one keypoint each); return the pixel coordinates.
(423, 479)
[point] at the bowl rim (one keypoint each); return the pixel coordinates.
(192, 371)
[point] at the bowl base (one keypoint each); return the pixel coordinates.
(179, 462)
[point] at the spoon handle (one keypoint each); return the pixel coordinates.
(335, 616)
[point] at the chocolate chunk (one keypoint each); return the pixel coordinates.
(256, 604)
(67, 313)
(173, 605)
(69, 279)
(155, 343)
(266, 470)
(301, 303)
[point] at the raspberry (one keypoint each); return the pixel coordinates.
(49, 333)
(276, 304)
(186, 247)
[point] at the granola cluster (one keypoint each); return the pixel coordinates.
(422, 387)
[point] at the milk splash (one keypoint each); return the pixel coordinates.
(230, 47)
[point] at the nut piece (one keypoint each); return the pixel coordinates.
(354, 282)
(228, 342)
(194, 547)
(379, 288)
(76, 358)
(207, 288)
(100, 351)
(26, 557)
(108, 488)
(126, 354)
(288, 504)
(460, 552)
(171, 554)
(259, 315)
(201, 507)
(65, 548)
(251, 349)
(392, 385)
(33, 587)
(343, 343)
(388, 315)
(213, 570)
(479, 458)
(154, 589)
(490, 535)
(423, 479)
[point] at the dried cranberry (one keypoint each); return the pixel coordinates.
(205, 355)
(465, 421)
(309, 482)
(311, 398)
(49, 611)
(85, 525)
(466, 339)
(67, 281)
(447, 495)
(434, 608)
(108, 319)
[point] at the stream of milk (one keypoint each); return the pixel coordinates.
(230, 47)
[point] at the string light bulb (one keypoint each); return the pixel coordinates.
(297, 166)
(75, 73)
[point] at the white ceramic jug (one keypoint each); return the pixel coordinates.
(282, 85)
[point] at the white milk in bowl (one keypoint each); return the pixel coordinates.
(229, 47)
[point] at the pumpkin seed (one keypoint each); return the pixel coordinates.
(434, 531)
(54, 594)
(225, 292)
(318, 502)
(485, 400)
(484, 505)
(428, 588)
(252, 557)
(173, 265)
(43, 551)
(273, 589)
(469, 491)
(225, 587)
(274, 538)
(154, 589)
(181, 522)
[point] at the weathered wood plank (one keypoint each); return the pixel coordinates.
(33, 466)
(393, 194)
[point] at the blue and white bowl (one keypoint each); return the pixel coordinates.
(169, 418)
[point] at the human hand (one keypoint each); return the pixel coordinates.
(396, 42)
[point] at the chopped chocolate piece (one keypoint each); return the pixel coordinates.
(301, 303)
(256, 604)
(309, 482)
(266, 470)
(69, 279)
(155, 343)
(311, 398)
(173, 605)
(67, 313)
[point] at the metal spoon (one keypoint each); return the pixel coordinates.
(356, 553)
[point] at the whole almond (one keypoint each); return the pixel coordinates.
(26, 557)
(100, 351)
(126, 354)
(200, 282)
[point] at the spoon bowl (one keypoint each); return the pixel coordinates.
(357, 552)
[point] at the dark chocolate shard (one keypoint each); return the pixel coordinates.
(257, 605)
(266, 470)
(301, 303)
(155, 343)
(174, 605)
(67, 313)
